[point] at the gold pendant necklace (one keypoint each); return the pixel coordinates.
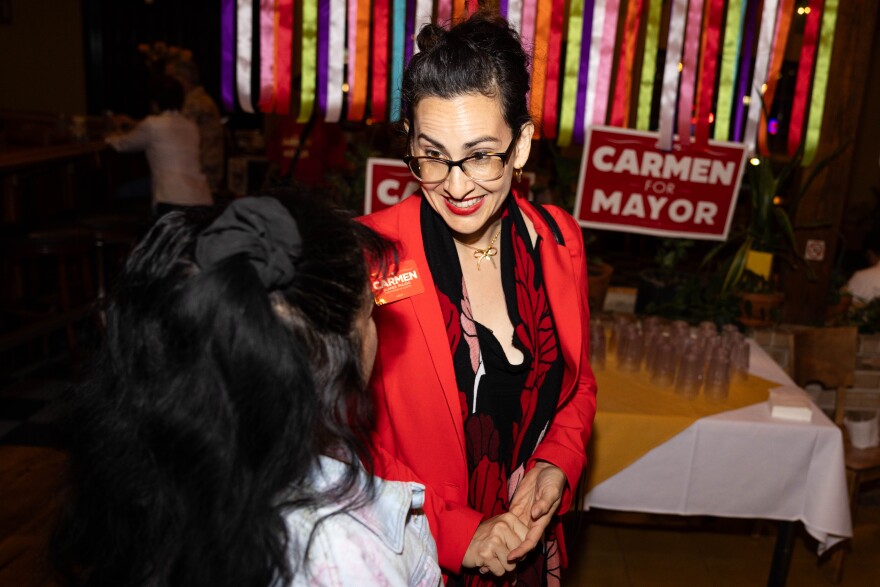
(487, 253)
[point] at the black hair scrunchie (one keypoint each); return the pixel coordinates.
(263, 229)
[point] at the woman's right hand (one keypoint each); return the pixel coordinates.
(492, 542)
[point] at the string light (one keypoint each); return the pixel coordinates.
(755, 161)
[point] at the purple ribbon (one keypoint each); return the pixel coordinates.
(323, 52)
(410, 30)
(744, 65)
(583, 72)
(227, 62)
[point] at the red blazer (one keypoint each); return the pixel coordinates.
(419, 426)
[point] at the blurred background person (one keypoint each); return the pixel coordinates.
(199, 107)
(171, 142)
(864, 285)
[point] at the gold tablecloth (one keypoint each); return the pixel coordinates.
(634, 416)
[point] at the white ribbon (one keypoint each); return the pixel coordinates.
(514, 15)
(335, 60)
(762, 64)
(352, 46)
(244, 55)
(423, 17)
(669, 91)
(595, 53)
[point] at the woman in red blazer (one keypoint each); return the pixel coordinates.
(482, 384)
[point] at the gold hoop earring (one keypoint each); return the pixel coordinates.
(517, 174)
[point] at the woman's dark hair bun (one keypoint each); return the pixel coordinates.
(429, 36)
(479, 55)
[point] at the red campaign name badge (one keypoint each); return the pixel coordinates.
(405, 282)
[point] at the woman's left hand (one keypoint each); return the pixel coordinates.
(536, 500)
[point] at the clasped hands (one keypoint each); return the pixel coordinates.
(500, 542)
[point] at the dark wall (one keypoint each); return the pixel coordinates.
(117, 72)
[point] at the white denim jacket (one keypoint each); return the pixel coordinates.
(385, 542)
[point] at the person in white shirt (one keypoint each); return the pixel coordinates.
(221, 439)
(171, 143)
(864, 285)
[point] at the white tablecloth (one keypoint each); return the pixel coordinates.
(743, 464)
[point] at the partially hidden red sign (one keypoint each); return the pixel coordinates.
(388, 182)
(627, 184)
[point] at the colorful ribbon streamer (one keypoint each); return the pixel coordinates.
(649, 65)
(539, 65)
(423, 17)
(335, 61)
(594, 20)
(444, 12)
(606, 58)
(323, 53)
(732, 39)
(551, 89)
(309, 58)
(458, 10)
(529, 18)
(568, 106)
(245, 58)
(708, 67)
(674, 42)
(380, 60)
(762, 58)
(742, 92)
(820, 82)
(786, 10)
(625, 64)
(689, 71)
(805, 69)
(268, 10)
(227, 54)
(283, 56)
(514, 15)
(358, 93)
(397, 41)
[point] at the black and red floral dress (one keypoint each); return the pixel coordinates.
(506, 408)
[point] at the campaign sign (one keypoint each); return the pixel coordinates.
(388, 182)
(627, 184)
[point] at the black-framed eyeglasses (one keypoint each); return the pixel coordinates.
(478, 167)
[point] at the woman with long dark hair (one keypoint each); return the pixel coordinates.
(218, 442)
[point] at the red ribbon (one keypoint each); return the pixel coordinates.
(708, 67)
(551, 89)
(283, 56)
(623, 87)
(804, 76)
(380, 60)
(786, 10)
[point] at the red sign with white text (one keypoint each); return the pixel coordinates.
(389, 181)
(627, 184)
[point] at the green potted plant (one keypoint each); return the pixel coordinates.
(766, 235)
(660, 283)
